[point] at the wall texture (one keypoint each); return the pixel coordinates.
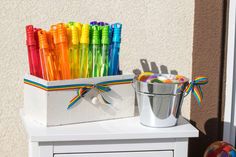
(159, 31)
(209, 44)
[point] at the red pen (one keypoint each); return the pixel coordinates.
(33, 51)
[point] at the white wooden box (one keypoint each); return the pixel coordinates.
(50, 107)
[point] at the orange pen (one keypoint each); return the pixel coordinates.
(47, 63)
(53, 31)
(54, 55)
(61, 47)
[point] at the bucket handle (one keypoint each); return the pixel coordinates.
(132, 84)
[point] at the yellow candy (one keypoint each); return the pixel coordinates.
(143, 76)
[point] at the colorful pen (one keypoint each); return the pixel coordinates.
(47, 63)
(83, 51)
(105, 51)
(114, 54)
(61, 44)
(54, 55)
(33, 51)
(74, 50)
(111, 28)
(96, 51)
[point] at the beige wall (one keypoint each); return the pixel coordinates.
(160, 31)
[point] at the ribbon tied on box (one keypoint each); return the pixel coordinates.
(101, 87)
(82, 89)
(195, 87)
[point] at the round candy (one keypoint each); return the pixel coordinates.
(160, 78)
(155, 80)
(180, 78)
(151, 77)
(144, 76)
(168, 81)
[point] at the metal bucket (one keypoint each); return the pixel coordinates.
(159, 103)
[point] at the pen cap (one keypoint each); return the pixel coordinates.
(74, 35)
(53, 30)
(95, 35)
(100, 24)
(92, 23)
(62, 33)
(30, 40)
(43, 42)
(85, 34)
(79, 27)
(111, 33)
(72, 32)
(36, 30)
(69, 35)
(117, 32)
(105, 35)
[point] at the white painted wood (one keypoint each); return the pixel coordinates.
(114, 145)
(46, 150)
(118, 138)
(181, 148)
(33, 149)
(122, 154)
(126, 128)
(45, 106)
(229, 114)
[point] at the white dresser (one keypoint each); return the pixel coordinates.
(112, 138)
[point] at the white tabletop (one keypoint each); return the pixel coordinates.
(126, 128)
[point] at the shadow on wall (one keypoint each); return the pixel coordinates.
(153, 68)
(204, 139)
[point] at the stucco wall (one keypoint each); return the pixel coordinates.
(159, 31)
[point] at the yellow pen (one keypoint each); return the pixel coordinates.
(83, 53)
(73, 35)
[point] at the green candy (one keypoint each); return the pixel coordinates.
(156, 81)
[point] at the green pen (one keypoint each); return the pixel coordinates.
(105, 50)
(96, 51)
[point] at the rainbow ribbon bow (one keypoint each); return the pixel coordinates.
(195, 88)
(101, 87)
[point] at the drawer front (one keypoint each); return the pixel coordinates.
(122, 154)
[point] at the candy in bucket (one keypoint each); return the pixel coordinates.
(160, 97)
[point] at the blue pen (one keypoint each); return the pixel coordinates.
(111, 27)
(114, 54)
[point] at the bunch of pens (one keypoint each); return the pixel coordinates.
(74, 50)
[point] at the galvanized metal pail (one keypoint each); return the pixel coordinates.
(159, 103)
